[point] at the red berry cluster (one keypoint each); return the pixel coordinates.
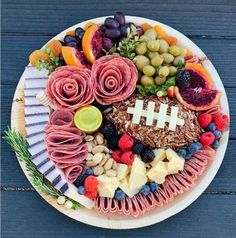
(90, 186)
(124, 155)
(221, 120)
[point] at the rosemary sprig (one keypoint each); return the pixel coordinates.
(126, 47)
(49, 65)
(20, 146)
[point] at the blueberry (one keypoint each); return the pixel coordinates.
(154, 186)
(217, 134)
(79, 33)
(188, 155)
(109, 130)
(119, 194)
(215, 144)
(147, 155)
(113, 142)
(194, 147)
(81, 190)
(211, 127)
(182, 153)
(145, 190)
(89, 171)
(138, 148)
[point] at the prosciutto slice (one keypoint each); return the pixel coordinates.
(70, 87)
(61, 118)
(175, 184)
(114, 79)
(65, 145)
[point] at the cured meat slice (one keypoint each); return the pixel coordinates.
(61, 118)
(70, 87)
(65, 145)
(114, 79)
(175, 184)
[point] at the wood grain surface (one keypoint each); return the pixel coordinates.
(28, 24)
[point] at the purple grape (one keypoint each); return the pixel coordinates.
(79, 33)
(123, 29)
(102, 29)
(139, 31)
(73, 44)
(69, 38)
(107, 43)
(120, 17)
(111, 23)
(113, 34)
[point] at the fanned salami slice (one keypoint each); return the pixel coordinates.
(73, 171)
(175, 184)
(114, 79)
(70, 87)
(61, 118)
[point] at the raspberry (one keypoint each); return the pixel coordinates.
(126, 142)
(90, 184)
(127, 157)
(207, 138)
(221, 121)
(91, 195)
(116, 155)
(204, 119)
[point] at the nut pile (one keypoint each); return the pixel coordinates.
(99, 157)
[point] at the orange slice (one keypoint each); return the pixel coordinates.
(55, 47)
(160, 32)
(37, 55)
(171, 40)
(146, 26)
(88, 24)
(70, 33)
(73, 56)
(92, 43)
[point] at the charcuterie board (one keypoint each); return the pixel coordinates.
(139, 114)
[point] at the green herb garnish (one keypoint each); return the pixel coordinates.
(20, 146)
(126, 47)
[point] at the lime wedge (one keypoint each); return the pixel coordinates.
(88, 119)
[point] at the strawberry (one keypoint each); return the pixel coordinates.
(221, 121)
(171, 92)
(126, 142)
(116, 155)
(204, 119)
(127, 157)
(207, 138)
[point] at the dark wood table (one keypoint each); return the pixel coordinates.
(28, 24)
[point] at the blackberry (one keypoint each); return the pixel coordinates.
(183, 78)
(147, 155)
(109, 130)
(80, 180)
(100, 106)
(138, 148)
(113, 142)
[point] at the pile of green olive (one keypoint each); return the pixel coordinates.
(156, 60)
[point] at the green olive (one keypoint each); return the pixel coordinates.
(149, 70)
(153, 45)
(144, 38)
(164, 71)
(168, 58)
(173, 70)
(163, 47)
(141, 49)
(151, 33)
(179, 60)
(141, 61)
(159, 80)
(183, 51)
(147, 81)
(157, 60)
(175, 50)
(152, 54)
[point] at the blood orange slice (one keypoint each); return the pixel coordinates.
(194, 88)
(92, 43)
(73, 56)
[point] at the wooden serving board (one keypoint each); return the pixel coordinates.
(114, 221)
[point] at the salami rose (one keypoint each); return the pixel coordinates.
(114, 79)
(70, 87)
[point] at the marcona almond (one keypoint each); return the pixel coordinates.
(88, 138)
(98, 157)
(99, 139)
(90, 147)
(91, 163)
(115, 165)
(89, 156)
(98, 170)
(108, 164)
(98, 149)
(104, 160)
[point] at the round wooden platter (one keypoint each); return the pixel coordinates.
(114, 221)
